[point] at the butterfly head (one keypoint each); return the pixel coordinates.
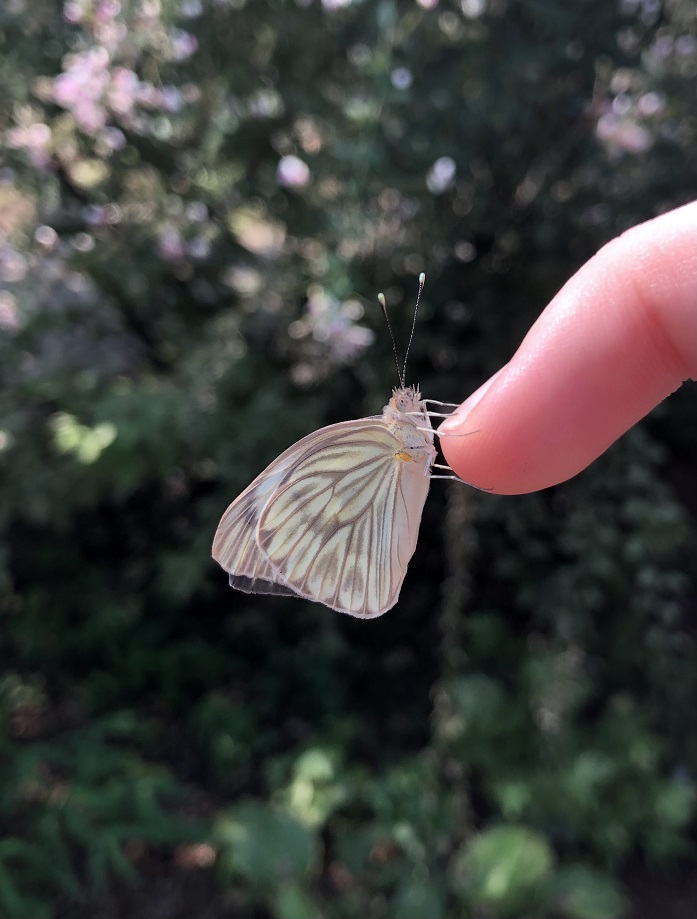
(405, 399)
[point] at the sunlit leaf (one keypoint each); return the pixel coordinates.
(265, 846)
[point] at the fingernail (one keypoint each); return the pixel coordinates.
(454, 422)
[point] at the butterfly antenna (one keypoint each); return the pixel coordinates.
(381, 301)
(422, 281)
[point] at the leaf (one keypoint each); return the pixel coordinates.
(315, 792)
(293, 902)
(417, 899)
(582, 893)
(506, 868)
(265, 846)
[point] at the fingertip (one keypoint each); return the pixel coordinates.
(453, 424)
(617, 339)
(497, 444)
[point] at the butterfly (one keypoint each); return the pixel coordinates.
(336, 517)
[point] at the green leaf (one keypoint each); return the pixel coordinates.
(582, 893)
(417, 899)
(293, 902)
(265, 846)
(506, 868)
(314, 792)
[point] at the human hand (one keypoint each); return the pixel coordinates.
(618, 338)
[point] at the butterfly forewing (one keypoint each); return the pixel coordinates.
(235, 545)
(335, 518)
(338, 526)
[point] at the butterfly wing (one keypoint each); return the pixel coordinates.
(334, 519)
(234, 545)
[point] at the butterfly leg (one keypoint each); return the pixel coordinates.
(430, 414)
(446, 433)
(455, 478)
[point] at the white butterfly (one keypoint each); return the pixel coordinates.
(336, 517)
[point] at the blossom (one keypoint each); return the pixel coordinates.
(9, 315)
(333, 324)
(170, 244)
(35, 138)
(441, 174)
(182, 44)
(622, 134)
(81, 86)
(292, 172)
(122, 91)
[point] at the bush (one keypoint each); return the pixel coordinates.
(198, 205)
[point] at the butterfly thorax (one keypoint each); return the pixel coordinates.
(407, 418)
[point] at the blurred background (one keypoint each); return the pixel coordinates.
(199, 202)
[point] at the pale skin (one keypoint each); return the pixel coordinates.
(617, 339)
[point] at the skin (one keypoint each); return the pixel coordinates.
(618, 338)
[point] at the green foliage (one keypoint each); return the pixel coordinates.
(317, 787)
(265, 847)
(582, 893)
(74, 805)
(418, 898)
(506, 870)
(188, 263)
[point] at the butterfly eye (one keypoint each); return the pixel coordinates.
(402, 403)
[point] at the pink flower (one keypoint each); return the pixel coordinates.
(292, 172)
(623, 134)
(35, 139)
(122, 91)
(113, 138)
(170, 244)
(334, 324)
(9, 316)
(74, 10)
(441, 174)
(81, 86)
(170, 99)
(182, 45)
(108, 9)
